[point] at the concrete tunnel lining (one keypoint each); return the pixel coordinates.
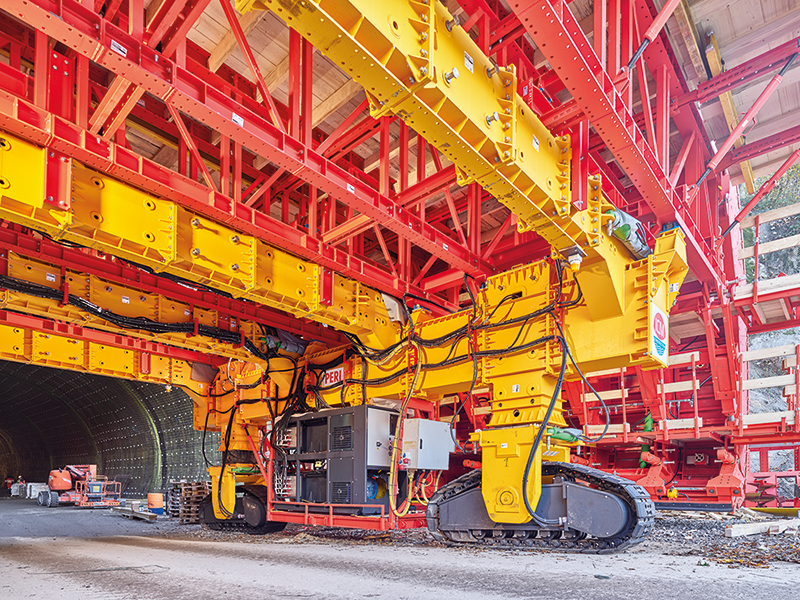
(138, 432)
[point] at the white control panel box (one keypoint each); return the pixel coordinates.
(427, 444)
(379, 437)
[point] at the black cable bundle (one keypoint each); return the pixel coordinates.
(141, 323)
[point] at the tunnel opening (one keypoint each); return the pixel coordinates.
(137, 433)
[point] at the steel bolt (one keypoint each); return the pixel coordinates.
(234, 267)
(108, 289)
(448, 77)
(492, 117)
(452, 23)
(195, 251)
(196, 222)
(491, 71)
(235, 239)
(423, 71)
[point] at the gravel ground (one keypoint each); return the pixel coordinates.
(95, 555)
(673, 535)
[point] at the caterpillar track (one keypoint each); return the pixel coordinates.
(641, 512)
(241, 527)
(209, 521)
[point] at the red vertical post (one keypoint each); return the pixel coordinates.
(421, 161)
(474, 218)
(756, 227)
(796, 387)
(307, 99)
(82, 99)
(331, 213)
(600, 30)
(307, 106)
(420, 158)
(624, 405)
(626, 45)
(384, 152)
(40, 69)
(15, 56)
(180, 54)
(184, 159)
(663, 398)
(662, 117)
(237, 172)
(696, 399)
(313, 209)
(352, 243)
(295, 82)
(403, 156)
(224, 165)
(136, 18)
(614, 36)
(285, 207)
(580, 164)
(119, 137)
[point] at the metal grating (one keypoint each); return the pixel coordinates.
(342, 438)
(340, 492)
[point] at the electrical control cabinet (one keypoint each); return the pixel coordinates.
(339, 456)
(427, 444)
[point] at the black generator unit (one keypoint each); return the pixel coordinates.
(338, 456)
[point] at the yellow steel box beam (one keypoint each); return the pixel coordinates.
(415, 61)
(119, 219)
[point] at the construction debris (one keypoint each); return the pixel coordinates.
(771, 527)
(183, 500)
(134, 514)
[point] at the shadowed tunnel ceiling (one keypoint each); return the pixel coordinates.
(136, 432)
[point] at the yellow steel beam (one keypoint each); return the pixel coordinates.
(123, 221)
(45, 348)
(414, 61)
(714, 60)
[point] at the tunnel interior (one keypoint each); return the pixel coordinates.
(138, 433)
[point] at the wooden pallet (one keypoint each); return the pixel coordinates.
(183, 500)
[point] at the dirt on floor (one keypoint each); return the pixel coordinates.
(95, 554)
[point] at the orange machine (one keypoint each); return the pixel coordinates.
(80, 485)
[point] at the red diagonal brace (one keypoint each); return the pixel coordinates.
(189, 140)
(560, 37)
(244, 46)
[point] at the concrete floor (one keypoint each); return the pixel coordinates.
(47, 553)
